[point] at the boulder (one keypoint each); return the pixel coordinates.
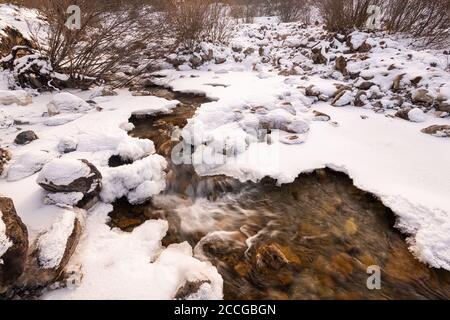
(422, 96)
(366, 85)
(19, 97)
(13, 244)
(320, 116)
(344, 98)
(341, 65)
(443, 106)
(441, 131)
(5, 157)
(357, 42)
(65, 102)
(317, 56)
(67, 145)
(72, 176)
(52, 250)
(411, 114)
(25, 137)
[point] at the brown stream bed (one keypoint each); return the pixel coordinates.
(312, 239)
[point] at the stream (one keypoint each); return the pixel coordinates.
(312, 239)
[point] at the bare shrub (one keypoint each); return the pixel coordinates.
(112, 33)
(194, 21)
(293, 10)
(343, 15)
(246, 10)
(428, 21)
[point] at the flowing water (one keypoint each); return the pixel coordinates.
(312, 239)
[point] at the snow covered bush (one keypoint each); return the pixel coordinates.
(112, 34)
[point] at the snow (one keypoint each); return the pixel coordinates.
(63, 199)
(5, 243)
(28, 164)
(20, 97)
(67, 103)
(62, 172)
(118, 265)
(52, 244)
(137, 181)
(416, 115)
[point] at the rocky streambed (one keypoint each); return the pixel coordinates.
(312, 239)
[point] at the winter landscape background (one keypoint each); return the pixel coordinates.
(285, 149)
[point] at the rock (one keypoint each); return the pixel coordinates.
(65, 102)
(341, 65)
(397, 84)
(344, 98)
(312, 91)
(190, 289)
(220, 60)
(441, 131)
(319, 116)
(275, 256)
(5, 157)
(52, 250)
(422, 96)
(175, 60)
(249, 51)
(443, 106)
(28, 164)
(357, 42)
(25, 137)
(411, 114)
(196, 61)
(317, 56)
(292, 139)
(19, 97)
(67, 145)
(366, 85)
(69, 175)
(361, 99)
(108, 92)
(13, 244)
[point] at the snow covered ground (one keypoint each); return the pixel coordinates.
(385, 155)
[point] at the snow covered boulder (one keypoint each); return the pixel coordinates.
(413, 115)
(357, 42)
(280, 119)
(69, 175)
(67, 145)
(138, 181)
(19, 97)
(28, 164)
(5, 157)
(13, 244)
(52, 250)
(25, 137)
(342, 99)
(67, 103)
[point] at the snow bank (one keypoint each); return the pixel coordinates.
(52, 244)
(138, 181)
(19, 97)
(28, 164)
(133, 266)
(62, 172)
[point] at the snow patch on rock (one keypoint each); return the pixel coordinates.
(62, 172)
